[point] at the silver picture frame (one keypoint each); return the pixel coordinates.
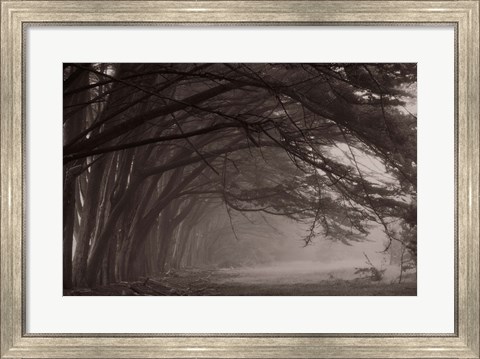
(16, 343)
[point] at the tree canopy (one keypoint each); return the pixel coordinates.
(151, 148)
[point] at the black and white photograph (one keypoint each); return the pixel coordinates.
(239, 179)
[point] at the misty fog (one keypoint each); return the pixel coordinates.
(239, 179)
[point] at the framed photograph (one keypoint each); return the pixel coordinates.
(240, 179)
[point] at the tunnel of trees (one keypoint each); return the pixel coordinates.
(151, 150)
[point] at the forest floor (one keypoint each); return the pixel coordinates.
(253, 282)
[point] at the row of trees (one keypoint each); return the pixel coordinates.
(152, 150)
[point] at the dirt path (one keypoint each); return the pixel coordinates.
(251, 282)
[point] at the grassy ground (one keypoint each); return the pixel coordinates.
(231, 283)
(324, 288)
